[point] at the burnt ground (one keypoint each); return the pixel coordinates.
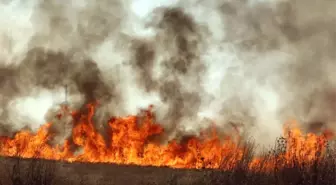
(16, 171)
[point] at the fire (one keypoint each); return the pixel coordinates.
(133, 143)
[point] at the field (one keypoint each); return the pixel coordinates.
(296, 158)
(18, 171)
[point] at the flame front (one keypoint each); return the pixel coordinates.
(130, 143)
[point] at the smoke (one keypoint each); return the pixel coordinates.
(244, 65)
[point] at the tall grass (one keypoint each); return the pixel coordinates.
(293, 171)
(320, 171)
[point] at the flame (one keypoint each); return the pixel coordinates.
(131, 143)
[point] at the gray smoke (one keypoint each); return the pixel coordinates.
(244, 65)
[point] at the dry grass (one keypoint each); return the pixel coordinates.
(15, 171)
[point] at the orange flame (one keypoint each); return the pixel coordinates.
(130, 143)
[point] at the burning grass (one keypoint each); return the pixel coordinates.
(297, 158)
(18, 171)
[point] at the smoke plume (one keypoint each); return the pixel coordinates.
(244, 65)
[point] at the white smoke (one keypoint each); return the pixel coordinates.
(33, 108)
(246, 67)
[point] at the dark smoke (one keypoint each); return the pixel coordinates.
(247, 66)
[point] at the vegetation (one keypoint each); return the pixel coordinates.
(17, 171)
(320, 171)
